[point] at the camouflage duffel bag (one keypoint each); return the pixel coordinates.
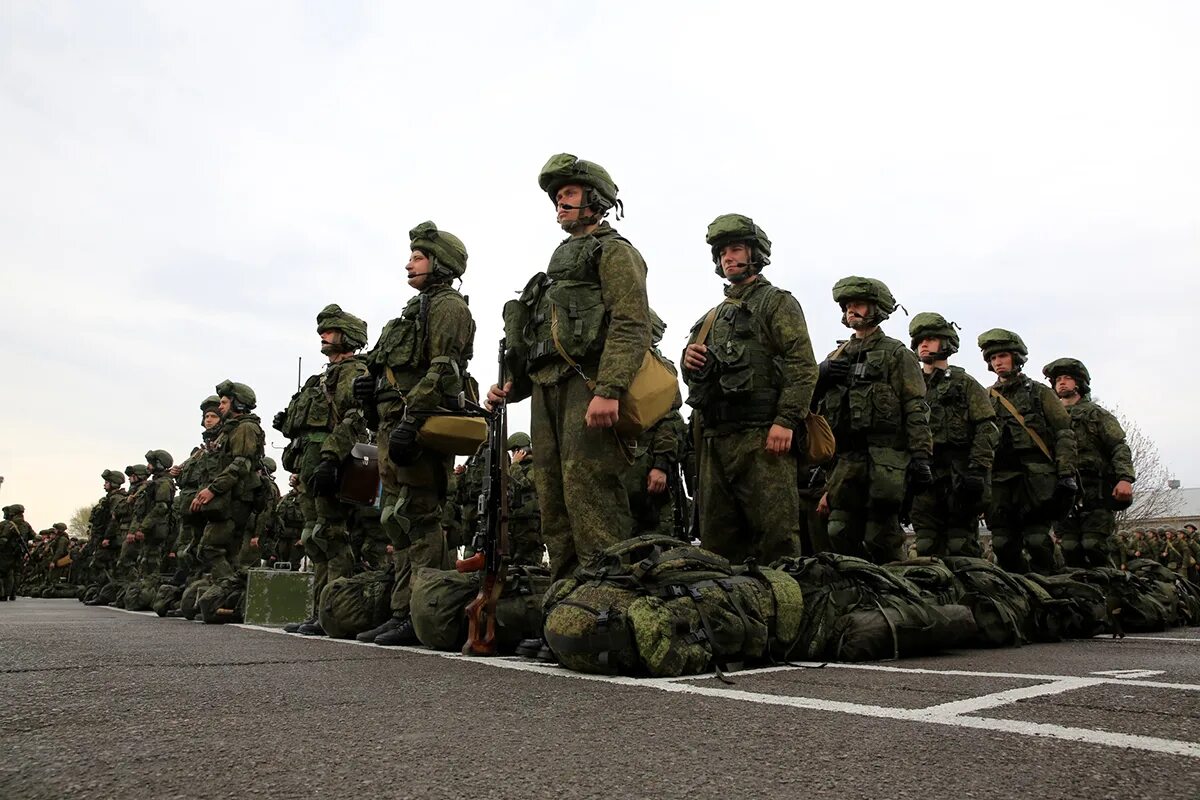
(189, 601)
(167, 599)
(225, 600)
(348, 606)
(140, 594)
(90, 593)
(1137, 604)
(1084, 613)
(900, 627)
(111, 593)
(440, 598)
(1182, 594)
(650, 605)
(999, 602)
(932, 577)
(61, 591)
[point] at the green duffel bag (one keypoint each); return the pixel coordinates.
(1181, 596)
(189, 601)
(349, 606)
(934, 579)
(140, 594)
(91, 593)
(440, 598)
(1085, 612)
(1137, 604)
(649, 605)
(167, 599)
(900, 627)
(225, 600)
(999, 602)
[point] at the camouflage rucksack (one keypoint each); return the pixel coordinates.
(649, 605)
(349, 606)
(1137, 604)
(1085, 612)
(440, 598)
(999, 602)
(932, 577)
(225, 600)
(189, 601)
(167, 598)
(1181, 596)
(140, 594)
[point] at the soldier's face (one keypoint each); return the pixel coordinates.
(1002, 364)
(567, 203)
(735, 262)
(1065, 386)
(418, 269)
(211, 420)
(223, 407)
(331, 342)
(856, 312)
(926, 348)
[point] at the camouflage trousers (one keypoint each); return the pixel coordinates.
(814, 528)
(411, 505)
(222, 539)
(8, 580)
(287, 550)
(579, 477)
(1087, 538)
(942, 526)
(748, 498)
(326, 540)
(1018, 523)
(866, 490)
(525, 540)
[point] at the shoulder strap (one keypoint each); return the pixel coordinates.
(572, 363)
(1021, 421)
(711, 318)
(839, 350)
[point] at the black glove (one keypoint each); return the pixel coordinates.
(1067, 486)
(920, 474)
(833, 371)
(364, 388)
(324, 480)
(971, 489)
(278, 420)
(1063, 501)
(402, 443)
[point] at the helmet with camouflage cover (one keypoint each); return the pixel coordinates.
(269, 464)
(519, 441)
(16, 509)
(730, 229)
(210, 403)
(354, 330)
(930, 325)
(445, 250)
(1069, 366)
(114, 476)
(137, 471)
(1000, 340)
(242, 396)
(159, 460)
(60, 526)
(871, 290)
(599, 189)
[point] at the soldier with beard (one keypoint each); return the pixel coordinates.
(945, 517)
(227, 500)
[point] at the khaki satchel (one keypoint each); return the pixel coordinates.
(649, 397)
(360, 476)
(453, 434)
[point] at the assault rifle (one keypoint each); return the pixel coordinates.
(491, 537)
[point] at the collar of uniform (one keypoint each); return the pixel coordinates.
(738, 291)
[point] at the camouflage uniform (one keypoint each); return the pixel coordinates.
(419, 364)
(962, 423)
(238, 453)
(1028, 489)
(595, 290)
(524, 516)
(154, 523)
(291, 519)
(659, 447)
(880, 419)
(137, 505)
(12, 553)
(758, 371)
(466, 497)
(1103, 459)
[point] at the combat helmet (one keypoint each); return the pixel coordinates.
(61, 527)
(445, 250)
(269, 464)
(599, 189)
(114, 476)
(159, 460)
(354, 330)
(16, 509)
(242, 396)
(872, 290)
(999, 340)
(1073, 367)
(210, 403)
(730, 229)
(137, 471)
(930, 325)
(519, 441)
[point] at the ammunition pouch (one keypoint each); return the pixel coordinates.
(402, 443)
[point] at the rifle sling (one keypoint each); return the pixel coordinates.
(1010, 408)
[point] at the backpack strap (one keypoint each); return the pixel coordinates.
(1011, 409)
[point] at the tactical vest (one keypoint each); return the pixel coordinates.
(98, 521)
(864, 411)
(290, 513)
(222, 458)
(1087, 420)
(123, 511)
(1014, 440)
(522, 496)
(743, 381)
(949, 410)
(143, 500)
(196, 472)
(401, 356)
(569, 295)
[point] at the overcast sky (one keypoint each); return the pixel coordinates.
(186, 184)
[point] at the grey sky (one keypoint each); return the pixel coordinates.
(186, 185)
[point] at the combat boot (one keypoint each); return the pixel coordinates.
(402, 634)
(537, 649)
(294, 627)
(369, 636)
(311, 629)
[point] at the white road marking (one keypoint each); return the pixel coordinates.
(1193, 640)
(952, 714)
(1129, 673)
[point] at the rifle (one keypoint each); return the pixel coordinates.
(681, 524)
(491, 538)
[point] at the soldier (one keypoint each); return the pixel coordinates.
(1033, 475)
(584, 330)
(324, 423)
(12, 554)
(452, 516)
(192, 475)
(227, 500)
(470, 486)
(418, 365)
(59, 562)
(289, 548)
(655, 485)
(257, 542)
(1105, 464)
(750, 372)
(873, 393)
(136, 505)
(962, 422)
(524, 516)
(101, 527)
(153, 527)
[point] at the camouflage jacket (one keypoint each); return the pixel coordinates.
(522, 496)
(961, 418)
(156, 509)
(239, 451)
(1044, 414)
(1104, 456)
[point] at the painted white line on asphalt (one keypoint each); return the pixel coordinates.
(997, 699)
(1129, 673)
(1193, 640)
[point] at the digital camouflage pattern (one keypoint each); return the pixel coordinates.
(239, 450)
(524, 513)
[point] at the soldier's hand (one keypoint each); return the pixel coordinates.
(518, 456)
(324, 480)
(656, 481)
(298, 542)
(175, 471)
(833, 370)
(497, 396)
(254, 542)
(129, 539)
(694, 356)
(171, 554)
(203, 498)
(139, 536)
(104, 542)
(823, 505)
(363, 388)
(779, 440)
(972, 488)
(602, 412)
(920, 474)
(1123, 491)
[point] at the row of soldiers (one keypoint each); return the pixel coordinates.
(1176, 549)
(916, 438)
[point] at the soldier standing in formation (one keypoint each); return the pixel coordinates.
(1033, 475)
(872, 391)
(418, 365)
(1105, 468)
(153, 525)
(750, 372)
(962, 423)
(524, 514)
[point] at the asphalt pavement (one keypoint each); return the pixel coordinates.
(100, 703)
